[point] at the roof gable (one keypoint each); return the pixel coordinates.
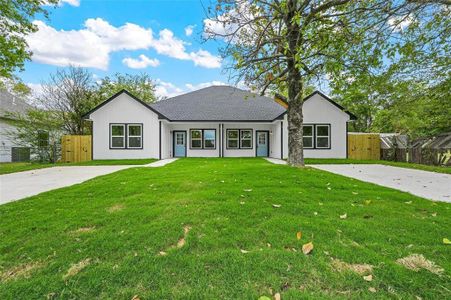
(86, 115)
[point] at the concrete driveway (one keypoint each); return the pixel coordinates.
(19, 185)
(429, 185)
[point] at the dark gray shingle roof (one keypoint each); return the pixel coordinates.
(219, 103)
(12, 104)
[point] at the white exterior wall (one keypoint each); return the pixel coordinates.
(254, 127)
(124, 109)
(5, 141)
(200, 125)
(318, 110)
(166, 140)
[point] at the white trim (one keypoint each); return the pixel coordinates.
(309, 136)
(111, 135)
(322, 136)
(245, 139)
(134, 136)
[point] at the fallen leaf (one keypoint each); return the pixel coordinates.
(446, 241)
(241, 202)
(434, 214)
(355, 193)
(264, 298)
(276, 205)
(298, 235)
(307, 248)
(136, 297)
(367, 202)
(329, 188)
(408, 202)
(343, 216)
(372, 290)
(315, 213)
(247, 190)
(277, 296)
(244, 251)
(269, 245)
(368, 277)
(162, 253)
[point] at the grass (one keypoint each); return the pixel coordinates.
(438, 169)
(6, 168)
(120, 235)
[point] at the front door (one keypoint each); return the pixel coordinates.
(262, 143)
(179, 143)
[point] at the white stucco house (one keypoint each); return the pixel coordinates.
(10, 150)
(218, 121)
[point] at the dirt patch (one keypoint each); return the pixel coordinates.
(180, 243)
(416, 262)
(83, 230)
(342, 266)
(115, 208)
(23, 270)
(76, 268)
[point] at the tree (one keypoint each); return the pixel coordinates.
(140, 85)
(292, 43)
(67, 96)
(406, 94)
(15, 24)
(38, 130)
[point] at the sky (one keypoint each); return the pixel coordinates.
(160, 37)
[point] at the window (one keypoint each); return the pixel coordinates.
(232, 138)
(322, 136)
(246, 139)
(209, 139)
(203, 138)
(43, 139)
(239, 138)
(308, 136)
(126, 136)
(134, 136)
(117, 132)
(196, 138)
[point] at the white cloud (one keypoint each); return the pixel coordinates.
(92, 45)
(167, 89)
(399, 24)
(141, 63)
(189, 30)
(71, 2)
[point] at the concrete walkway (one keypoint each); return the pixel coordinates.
(161, 163)
(16, 186)
(429, 185)
(276, 161)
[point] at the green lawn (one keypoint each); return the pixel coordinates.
(438, 169)
(6, 168)
(103, 238)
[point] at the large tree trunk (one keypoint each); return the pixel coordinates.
(295, 88)
(295, 120)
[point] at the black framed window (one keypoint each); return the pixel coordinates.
(203, 139)
(322, 136)
(209, 138)
(126, 136)
(196, 138)
(316, 136)
(308, 136)
(233, 137)
(117, 136)
(134, 135)
(246, 138)
(239, 138)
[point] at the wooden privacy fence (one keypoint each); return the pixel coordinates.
(364, 146)
(76, 148)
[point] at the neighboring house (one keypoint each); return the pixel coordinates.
(217, 121)
(9, 150)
